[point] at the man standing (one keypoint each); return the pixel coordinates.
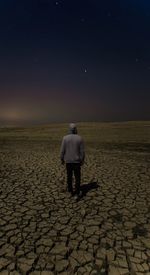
(72, 153)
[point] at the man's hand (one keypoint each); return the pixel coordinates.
(62, 162)
(82, 163)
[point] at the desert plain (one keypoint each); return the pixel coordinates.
(45, 231)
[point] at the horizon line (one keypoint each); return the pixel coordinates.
(28, 125)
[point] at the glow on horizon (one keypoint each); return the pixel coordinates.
(10, 115)
(15, 115)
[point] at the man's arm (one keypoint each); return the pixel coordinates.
(82, 152)
(62, 151)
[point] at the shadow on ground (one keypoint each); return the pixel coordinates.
(85, 188)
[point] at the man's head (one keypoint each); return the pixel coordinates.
(72, 128)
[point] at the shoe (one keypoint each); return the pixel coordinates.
(80, 194)
(76, 197)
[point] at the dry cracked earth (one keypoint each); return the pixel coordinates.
(45, 231)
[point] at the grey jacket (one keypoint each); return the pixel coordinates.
(72, 149)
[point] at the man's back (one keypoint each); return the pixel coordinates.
(72, 149)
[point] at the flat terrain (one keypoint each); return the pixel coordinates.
(44, 231)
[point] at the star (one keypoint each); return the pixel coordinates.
(85, 70)
(82, 20)
(109, 14)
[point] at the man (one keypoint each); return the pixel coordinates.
(72, 153)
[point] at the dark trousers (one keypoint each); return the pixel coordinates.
(73, 168)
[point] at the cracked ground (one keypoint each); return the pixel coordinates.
(45, 231)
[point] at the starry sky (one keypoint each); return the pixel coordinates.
(74, 60)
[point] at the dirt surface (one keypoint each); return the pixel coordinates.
(45, 231)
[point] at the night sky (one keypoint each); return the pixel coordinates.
(74, 60)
